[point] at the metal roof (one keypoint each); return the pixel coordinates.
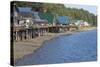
(25, 9)
(62, 19)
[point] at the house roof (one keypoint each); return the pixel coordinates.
(74, 21)
(40, 21)
(36, 15)
(24, 9)
(47, 16)
(62, 19)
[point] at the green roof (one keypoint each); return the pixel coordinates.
(47, 16)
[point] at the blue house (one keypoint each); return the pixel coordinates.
(25, 9)
(25, 12)
(23, 16)
(62, 20)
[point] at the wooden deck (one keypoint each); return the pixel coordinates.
(21, 33)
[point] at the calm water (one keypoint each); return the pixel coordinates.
(77, 47)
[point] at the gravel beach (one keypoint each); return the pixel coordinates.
(26, 47)
(22, 48)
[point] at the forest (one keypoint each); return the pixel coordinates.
(60, 10)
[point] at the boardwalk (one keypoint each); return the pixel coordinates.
(29, 33)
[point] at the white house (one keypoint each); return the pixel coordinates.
(86, 24)
(81, 23)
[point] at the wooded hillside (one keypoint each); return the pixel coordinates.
(59, 10)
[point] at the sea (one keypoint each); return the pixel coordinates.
(77, 47)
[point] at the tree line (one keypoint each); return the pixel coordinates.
(60, 10)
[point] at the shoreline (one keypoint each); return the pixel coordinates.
(22, 48)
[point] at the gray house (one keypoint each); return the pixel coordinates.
(22, 17)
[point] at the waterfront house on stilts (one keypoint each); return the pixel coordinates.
(28, 23)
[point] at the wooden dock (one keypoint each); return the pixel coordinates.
(21, 33)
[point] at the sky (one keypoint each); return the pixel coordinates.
(91, 9)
